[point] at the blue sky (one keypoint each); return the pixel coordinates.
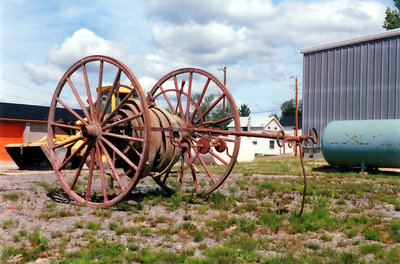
(258, 40)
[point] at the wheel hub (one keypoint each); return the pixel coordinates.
(91, 131)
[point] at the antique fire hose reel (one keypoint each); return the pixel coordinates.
(124, 136)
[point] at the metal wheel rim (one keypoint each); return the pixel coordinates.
(51, 125)
(191, 71)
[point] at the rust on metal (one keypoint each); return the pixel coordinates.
(124, 136)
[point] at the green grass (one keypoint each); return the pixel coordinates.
(51, 190)
(12, 196)
(7, 223)
(38, 244)
(238, 223)
(318, 218)
(93, 225)
(99, 251)
(271, 220)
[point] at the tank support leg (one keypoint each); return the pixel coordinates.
(363, 168)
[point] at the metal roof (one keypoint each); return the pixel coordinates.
(255, 121)
(388, 34)
(22, 112)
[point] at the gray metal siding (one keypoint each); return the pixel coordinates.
(359, 81)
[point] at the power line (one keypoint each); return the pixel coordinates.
(23, 85)
(265, 111)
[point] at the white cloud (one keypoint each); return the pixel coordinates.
(259, 40)
(212, 43)
(84, 43)
(238, 31)
(81, 44)
(147, 83)
(41, 74)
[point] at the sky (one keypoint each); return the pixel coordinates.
(259, 41)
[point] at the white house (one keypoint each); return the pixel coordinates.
(263, 146)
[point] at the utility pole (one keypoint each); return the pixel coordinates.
(223, 99)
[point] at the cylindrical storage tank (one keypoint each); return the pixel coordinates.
(354, 143)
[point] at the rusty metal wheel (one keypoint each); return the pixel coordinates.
(102, 102)
(209, 112)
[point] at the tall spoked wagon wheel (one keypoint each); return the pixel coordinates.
(110, 129)
(208, 111)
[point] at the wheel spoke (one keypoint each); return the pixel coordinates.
(180, 173)
(212, 123)
(167, 99)
(122, 155)
(178, 97)
(196, 186)
(65, 126)
(90, 177)
(89, 94)
(203, 163)
(99, 92)
(72, 111)
(211, 106)
(71, 139)
(200, 99)
(115, 111)
(122, 121)
(78, 98)
(121, 136)
(111, 163)
(188, 97)
(73, 155)
(218, 157)
(102, 177)
(110, 93)
(81, 164)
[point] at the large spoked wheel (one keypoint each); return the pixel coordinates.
(209, 112)
(102, 105)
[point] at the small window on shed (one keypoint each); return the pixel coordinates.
(244, 128)
(269, 127)
(254, 142)
(276, 128)
(271, 144)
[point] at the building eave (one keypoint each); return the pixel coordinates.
(388, 34)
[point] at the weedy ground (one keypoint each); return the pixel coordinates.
(251, 218)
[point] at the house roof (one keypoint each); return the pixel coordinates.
(290, 121)
(255, 121)
(12, 111)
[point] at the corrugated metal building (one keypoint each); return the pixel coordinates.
(357, 79)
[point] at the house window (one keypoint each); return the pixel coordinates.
(254, 142)
(269, 127)
(271, 144)
(276, 128)
(244, 128)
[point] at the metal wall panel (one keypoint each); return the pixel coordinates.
(356, 81)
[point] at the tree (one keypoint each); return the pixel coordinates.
(275, 115)
(392, 19)
(244, 110)
(288, 108)
(217, 111)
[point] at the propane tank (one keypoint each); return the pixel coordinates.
(359, 143)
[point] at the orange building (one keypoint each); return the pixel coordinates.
(21, 123)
